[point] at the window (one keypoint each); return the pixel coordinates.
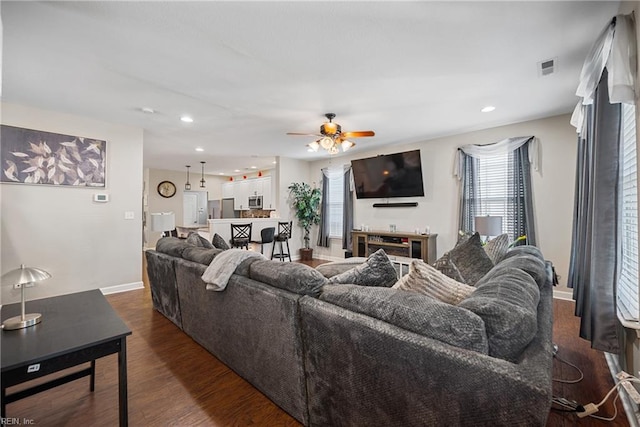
(497, 192)
(628, 216)
(335, 200)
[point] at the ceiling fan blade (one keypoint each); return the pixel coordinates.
(357, 134)
(303, 134)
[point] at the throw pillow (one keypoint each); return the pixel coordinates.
(195, 239)
(171, 246)
(497, 248)
(377, 270)
(445, 265)
(219, 242)
(425, 279)
(200, 254)
(471, 259)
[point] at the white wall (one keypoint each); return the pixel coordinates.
(157, 203)
(287, 172)
(553, 189)
(84, 245)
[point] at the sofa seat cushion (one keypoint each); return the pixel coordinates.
(200, 254)
(330, 269)
(426, 280)
(377, 270)
(298, 278)
(172, 246)
(507, 300)
(413, 312)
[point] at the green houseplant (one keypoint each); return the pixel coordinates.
(306, 202)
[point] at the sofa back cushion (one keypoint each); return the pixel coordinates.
(172, 246)
(413, 312)
(294, 277)
(330, 269)
(530, 264)
(507, 300)
(200, 254)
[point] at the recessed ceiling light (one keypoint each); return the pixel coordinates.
(488, 109)
(274, 162)
(148, 110)
(221, 173)
(187, 119)
(199, 149)
(254, 167)
(236, 170)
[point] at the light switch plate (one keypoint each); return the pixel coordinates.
(129, 215)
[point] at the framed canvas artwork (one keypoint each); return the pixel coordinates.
(37, 157)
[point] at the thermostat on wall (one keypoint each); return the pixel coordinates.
(101, 197)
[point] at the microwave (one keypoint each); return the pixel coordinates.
(255, 202)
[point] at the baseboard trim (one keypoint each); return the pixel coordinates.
(122, 288)
(563, 295)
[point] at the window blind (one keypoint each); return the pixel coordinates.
(335, 200)
(627, 286)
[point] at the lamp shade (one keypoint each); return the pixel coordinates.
(163, 221)
(22, 275)
(488, 225)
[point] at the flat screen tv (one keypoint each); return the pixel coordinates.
(389, 175)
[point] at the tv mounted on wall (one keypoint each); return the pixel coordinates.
(389, 175)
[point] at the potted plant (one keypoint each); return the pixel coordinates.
(306, 202)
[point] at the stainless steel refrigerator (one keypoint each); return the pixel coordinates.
(227, 209)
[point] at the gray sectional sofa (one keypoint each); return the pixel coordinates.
(334, 354)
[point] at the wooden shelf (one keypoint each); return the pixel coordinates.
(417, 246)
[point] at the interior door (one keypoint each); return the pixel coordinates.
(190, 208)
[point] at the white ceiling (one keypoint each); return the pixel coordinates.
(248, 72)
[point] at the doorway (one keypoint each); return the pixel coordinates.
(194, 209)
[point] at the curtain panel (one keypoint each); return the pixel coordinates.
(323, 228)
(592, 268)
(347, 208)
(607, 80)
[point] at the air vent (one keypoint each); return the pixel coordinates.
(547, 67)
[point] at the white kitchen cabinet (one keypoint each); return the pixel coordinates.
(267, 198)
(241, 192)
(227, 190)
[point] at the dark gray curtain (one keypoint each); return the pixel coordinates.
(323, 233)
(592, 268)
(467, 192)
(522, 195)
(347, 209)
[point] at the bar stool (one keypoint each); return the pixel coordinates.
(240, 235)
(284, 234)
(266, 236)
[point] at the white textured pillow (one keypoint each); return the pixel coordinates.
(425, 279)
(497, 248)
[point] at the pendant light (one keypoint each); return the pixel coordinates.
(187, 185)
(202, 181)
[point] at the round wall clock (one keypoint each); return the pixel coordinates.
(166, 189)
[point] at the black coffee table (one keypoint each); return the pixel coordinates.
(75, 329)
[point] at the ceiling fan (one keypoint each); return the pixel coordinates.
(332, 137)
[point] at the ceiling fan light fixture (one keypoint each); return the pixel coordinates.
(346, 144)
(326, 142)
(313, 146)
(333, 150)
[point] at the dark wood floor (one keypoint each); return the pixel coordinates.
(175, 382)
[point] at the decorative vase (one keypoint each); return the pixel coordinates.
(306, 254)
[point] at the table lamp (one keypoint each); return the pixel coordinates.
(23, 276)
(488, 225)
(163, 221)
